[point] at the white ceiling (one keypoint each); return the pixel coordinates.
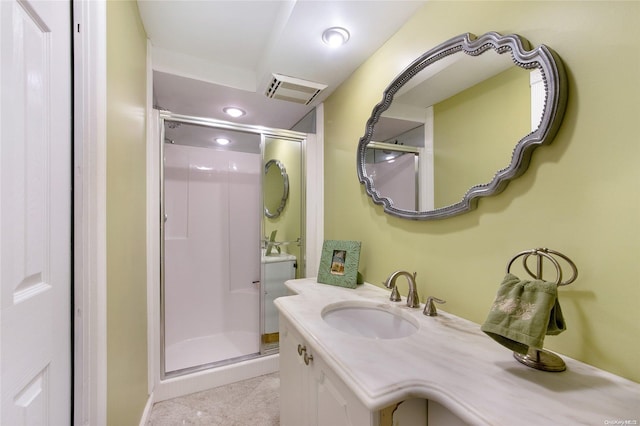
(211, 54)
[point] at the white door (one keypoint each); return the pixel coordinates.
(35, 212)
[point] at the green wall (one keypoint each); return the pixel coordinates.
(580, 195)
(126, 215)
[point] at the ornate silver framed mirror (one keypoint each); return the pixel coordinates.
(469, 113)
(276, 188)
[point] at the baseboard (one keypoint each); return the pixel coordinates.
(146, 414)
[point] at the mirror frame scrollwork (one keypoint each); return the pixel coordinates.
(555, 83)
(285, 190)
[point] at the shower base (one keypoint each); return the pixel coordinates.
(210, 349)
(172, 387)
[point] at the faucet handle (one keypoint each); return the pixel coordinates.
(430, 308)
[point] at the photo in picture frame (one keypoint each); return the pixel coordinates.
(339, 263)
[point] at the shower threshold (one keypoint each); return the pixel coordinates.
(210, 365)
(217, 349)
(204, 353)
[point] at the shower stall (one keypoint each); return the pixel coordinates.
(216, 309)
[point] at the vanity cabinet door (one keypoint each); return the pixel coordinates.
(312, 394)
(293, 379)
(334, 403)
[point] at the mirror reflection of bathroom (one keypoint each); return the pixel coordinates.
(217, 293)
(282, 232)
(444, 125)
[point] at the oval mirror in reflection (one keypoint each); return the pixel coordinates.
(276, 188)
(459, 123)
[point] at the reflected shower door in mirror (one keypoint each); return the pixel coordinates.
(283, 236)
(395, 171)
(472, 110)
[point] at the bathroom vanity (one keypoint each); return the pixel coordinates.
(357, 373)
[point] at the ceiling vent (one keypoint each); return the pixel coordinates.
(293, 89)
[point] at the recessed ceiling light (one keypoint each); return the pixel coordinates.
(234, 112)
(335, 36)
(223, 141)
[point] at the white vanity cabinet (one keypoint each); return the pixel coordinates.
(312, 394)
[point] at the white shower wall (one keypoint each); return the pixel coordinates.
(212, 207)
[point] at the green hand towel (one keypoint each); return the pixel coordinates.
(523, 313)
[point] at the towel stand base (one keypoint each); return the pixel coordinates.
(541, 359)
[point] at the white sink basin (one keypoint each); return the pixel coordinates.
(368, 319)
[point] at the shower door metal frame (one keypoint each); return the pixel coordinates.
(263, 132)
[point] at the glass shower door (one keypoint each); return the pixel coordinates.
(218, 279)
(211, 297)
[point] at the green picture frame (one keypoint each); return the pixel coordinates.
(339, 263)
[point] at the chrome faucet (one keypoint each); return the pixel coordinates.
(413, 301)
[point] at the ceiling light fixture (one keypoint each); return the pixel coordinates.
(223, 141)
(234, 112)
(335, 36)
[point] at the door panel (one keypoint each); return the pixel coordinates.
(35, 213)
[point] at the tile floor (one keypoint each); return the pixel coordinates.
(253, 402)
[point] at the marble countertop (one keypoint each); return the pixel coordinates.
(450, 361)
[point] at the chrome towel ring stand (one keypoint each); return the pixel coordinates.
(540, 254)
(538, 358)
